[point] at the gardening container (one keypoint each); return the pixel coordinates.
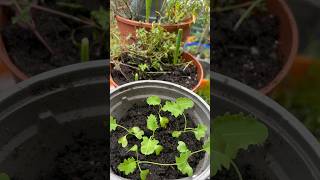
(125, 96)
(186, 57)
(288, 40)
(42, 115)
(290, 152)
(128, 27)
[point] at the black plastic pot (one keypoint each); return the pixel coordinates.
(39, 117)
(290, 153)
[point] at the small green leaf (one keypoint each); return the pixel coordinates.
(123, 141)
(134, 148)
(182, 147)
(158, 149)
(200, 131)
(184, 103)
(173, 108)
(176, 134)
(128, 166)
(183, 165)
(137, 132)
(4, 176)
(142, 67)
(163, 121)
(152, 123)
(113, 123)
(206, 146)
(153, 100)
(148, 145)
(144, 174)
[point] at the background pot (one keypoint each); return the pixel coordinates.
(44, 112)
(127, 27)
(187, 57)
(290, 153)
(124, 97)
(288, 40)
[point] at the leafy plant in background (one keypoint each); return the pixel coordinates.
(4, 176)
(150, 145)
(23, 8)
(232, 133)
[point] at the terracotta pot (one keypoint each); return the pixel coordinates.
(186, 57)
(127, 27)
(288, 40)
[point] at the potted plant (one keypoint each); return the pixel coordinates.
(158, 138)
(172, 15)
(157, 55)
(57, 123)
(288, 152)
(255, 41)
(37, 37)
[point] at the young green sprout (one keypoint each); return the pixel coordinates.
(84, 51)
(150, 145)
(148, 9)
(178, 45)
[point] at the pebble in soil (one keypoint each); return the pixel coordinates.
(249, 54)
(136, 116)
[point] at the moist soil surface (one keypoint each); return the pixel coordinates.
(249, 54)
(86, 159)
(136, 116)
(183, 75)
(29, 54)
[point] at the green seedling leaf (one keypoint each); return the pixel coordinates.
(184, 103)
(206, 146)
(134, 148)
(158, 149)
(144, 174)
(200, 131)
(152, 123)
(183, 165)
(137, 132)
(123, 141)
(153, 100)
(182, 147)
(128, 166)
(113, 123)
(4, 176)
(163, 121)
(173, 108)
(176, 134)
(232, 133)
(142, 67)
(148, 145)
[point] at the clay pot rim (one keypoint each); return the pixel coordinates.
(293, 50)
(196, 63)
(187, 22)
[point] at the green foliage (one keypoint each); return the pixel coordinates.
(200, 131)
(101, 16)
(178, 107)
(163, 121)
(153, 100)
(113, 123)
(136, 77)
(143, 67)
(183, 165)
(206, 146)
(158, 149)
(128, 166)
(182, 147)
(149, 145)
(144, 174)
(134, 148)
(178, 45)
(137, 132)
(176, 134)
(232, 133)
(84, 50)
(25, 15)
(152, 123)
(123, 141)
(148, 9)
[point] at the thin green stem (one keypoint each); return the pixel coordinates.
(138, 161)
(236, 169)
(155, 163)
(195, 152)
(185, 122)
(124, 128)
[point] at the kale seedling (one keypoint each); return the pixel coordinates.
(150, 145)
(232, 133)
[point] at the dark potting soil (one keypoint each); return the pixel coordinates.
(28, 53)
(249, 54)
(86, 159)
(186, 77)
(136, 116)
